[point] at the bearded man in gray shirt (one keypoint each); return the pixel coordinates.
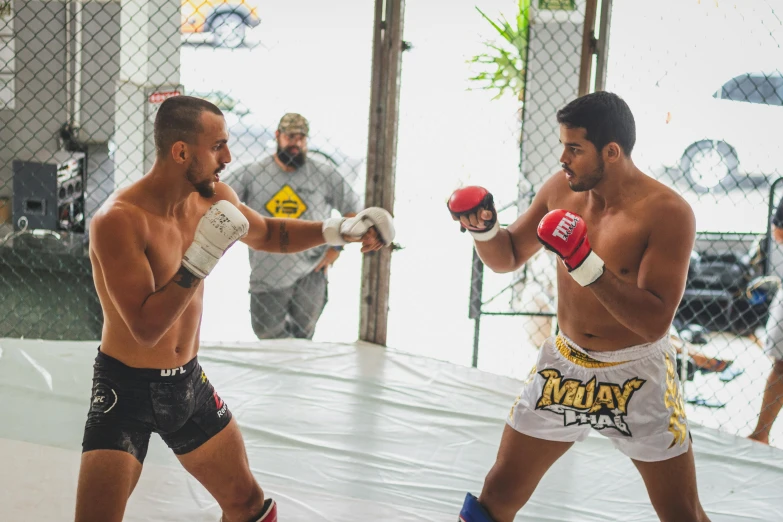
(288, 292)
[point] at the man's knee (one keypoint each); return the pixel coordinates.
(268, 313)
(304, 318)
(264, 331)
(303, 331)
(264, 328)
(777, 367)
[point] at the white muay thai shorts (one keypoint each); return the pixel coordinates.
(632, 396)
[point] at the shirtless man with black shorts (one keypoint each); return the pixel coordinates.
(151, 245)
(612, 367)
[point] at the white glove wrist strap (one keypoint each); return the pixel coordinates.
(331, 231)
(198, 261)
(487, 234)
(589, 271)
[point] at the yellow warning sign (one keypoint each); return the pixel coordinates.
(286, 204)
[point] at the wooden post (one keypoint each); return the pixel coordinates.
(588, 47)
(381, 155)
(602, 46)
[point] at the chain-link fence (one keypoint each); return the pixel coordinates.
(80, 84)
(550, 61)
(705, 111)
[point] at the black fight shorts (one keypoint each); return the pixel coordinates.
(128, 404)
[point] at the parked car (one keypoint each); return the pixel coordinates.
(720, 135)
(227, 20)
(224, 101)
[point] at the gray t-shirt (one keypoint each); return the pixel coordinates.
(310, 192)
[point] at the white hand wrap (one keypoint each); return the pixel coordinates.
(589, 271)
(486, 235)
(218, 229)
(355, 227)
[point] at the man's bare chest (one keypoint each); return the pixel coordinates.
(166, 245)
(620, 239)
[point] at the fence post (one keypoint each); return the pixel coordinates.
(474, 310)
(381, 153)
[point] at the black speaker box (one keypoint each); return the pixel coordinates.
(48, 196)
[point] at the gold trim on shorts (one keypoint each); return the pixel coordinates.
(673, 400)
(580, 358)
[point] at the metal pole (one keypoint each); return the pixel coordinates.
(69, 51)
(381, 152)
(476, 337)
(474, 310)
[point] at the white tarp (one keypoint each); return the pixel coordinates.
(344, 432)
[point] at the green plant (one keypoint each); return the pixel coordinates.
(5, 8)
(505, 61)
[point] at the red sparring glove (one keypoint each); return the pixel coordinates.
(471, 200)
(565, 234)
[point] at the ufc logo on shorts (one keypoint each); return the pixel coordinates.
(171, 372)
(566, 226)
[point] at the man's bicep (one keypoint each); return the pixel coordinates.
(664, 267)
(258, 231)
(126, 271)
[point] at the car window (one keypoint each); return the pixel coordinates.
(754, 88)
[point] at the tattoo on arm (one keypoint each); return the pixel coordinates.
(268, 233)
(284, 240)
(185, 278)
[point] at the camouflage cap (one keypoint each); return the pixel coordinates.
(293, 123)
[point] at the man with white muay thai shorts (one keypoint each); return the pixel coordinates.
(612, 367)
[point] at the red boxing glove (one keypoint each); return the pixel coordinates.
(565, 234)
(472, 200)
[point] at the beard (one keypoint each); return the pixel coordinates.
(286, 157)
(205, 189)
(588, 181)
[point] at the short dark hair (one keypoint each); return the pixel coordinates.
(606, 118)
(179, 119)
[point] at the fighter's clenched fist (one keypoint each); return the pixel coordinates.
(218, 229)
(565, 234)
(474, 208)
(373, 226)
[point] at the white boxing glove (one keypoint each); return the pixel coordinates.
(355, 227)
(218, 229)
